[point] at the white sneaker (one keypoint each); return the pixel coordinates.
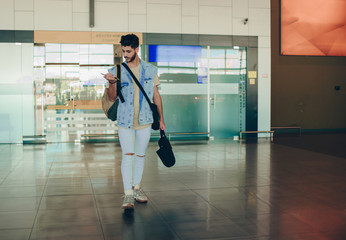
(139, 195)
(128, 202)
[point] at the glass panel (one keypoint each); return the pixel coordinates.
(92, 75)
(70, 91)
(232, 63)
(39, 73)
(100, 59)
(184, 89)
(70, 72)
(227, 92)
(96, 54)
(84, 48)
(53, 72)
(100, 48)
(232, 53)
(70, 48)
(16, 92)
(52, 97)
(224, 115)
(53, 47)
(217, 53)
(53, 57)
(39, 51)
(184, 97)
(39, 61)
(84, 59)
(217, 63)
(70, 57)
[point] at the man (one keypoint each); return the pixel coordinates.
(134, 117)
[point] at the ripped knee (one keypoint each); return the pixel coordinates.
(130, 154)
(141, 156)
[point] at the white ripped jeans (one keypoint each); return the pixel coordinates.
(134, 144)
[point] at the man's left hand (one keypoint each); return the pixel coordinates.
(162, 125)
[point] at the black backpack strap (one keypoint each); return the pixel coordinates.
(119, 94)
(138, 83)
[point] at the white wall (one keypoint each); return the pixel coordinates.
(164, 16)
(223, 17)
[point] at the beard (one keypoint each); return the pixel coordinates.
(132, 58)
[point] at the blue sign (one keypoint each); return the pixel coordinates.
(173, 53)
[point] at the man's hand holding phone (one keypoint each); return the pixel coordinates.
(110, 78)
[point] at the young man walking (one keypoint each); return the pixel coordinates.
(134, 117)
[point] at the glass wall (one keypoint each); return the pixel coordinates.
(16, 92)
(69, 87)
(203, 88)
(227, 67)
(183, 86)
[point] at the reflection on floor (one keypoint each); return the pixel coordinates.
(217, 190)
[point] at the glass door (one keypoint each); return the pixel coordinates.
(69, 88)
(183, 88)
(202, 88)
(227, 69)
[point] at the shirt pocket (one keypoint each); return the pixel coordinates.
(148, 84)
(148, 80)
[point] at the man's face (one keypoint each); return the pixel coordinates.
(129, 53)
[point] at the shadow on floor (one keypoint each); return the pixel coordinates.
(327, 143)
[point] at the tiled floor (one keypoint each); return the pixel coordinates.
(217, 190)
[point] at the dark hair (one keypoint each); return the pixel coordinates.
(129, 40)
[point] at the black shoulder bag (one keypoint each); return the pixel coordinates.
(165, 151)
(153, 107)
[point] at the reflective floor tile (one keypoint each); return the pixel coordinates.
(17, 191)
(213, 229)
(162, 198)
(105, 188)
(68, 173)
(164, 186)
(222, 194)
(109, 200)
(299, 236)
(67, 202)
(206, 183)
(15, 234)
(242, 207)
(106, 180)
(68, 181)
(340, 234)
(219, 190)
(89, 232)
(277, 224)
(66, 217)
(19, 219)
(319, 216)
(152, 176)
(187, 211)
(75, 189)
(130, 229)
(19, 204)
(8, 182)
(142, 213)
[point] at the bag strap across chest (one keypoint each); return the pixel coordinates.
(137, 82)
(118, 79)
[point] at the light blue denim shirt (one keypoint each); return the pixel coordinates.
(125, 110)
